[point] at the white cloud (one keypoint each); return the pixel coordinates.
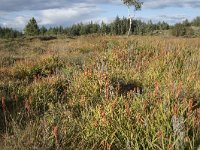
(172, 19)
(21, 20)
(176, 18)
(52, 17)
(17, 23)
(18, 5)
(171, 3)
(99, 20)
(16, 13)
(68, 15)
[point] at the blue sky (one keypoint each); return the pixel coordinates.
(16, 13)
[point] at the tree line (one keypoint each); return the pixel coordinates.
(9, 33)
(119, 26)
(187, 28)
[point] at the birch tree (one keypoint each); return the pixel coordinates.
(137, 4)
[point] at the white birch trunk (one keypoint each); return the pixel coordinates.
(130, 19)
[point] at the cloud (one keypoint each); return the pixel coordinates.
(172, 19)
(68, 15)
(18, 5)
(152, 4)
(176, 18)
(16, 13)
(52, 17)
(17, 23)
(99, 20)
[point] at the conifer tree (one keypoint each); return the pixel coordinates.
(31, 29)
(43, 30)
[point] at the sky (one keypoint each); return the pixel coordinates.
(16, 13)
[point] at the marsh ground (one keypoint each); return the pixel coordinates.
(100, 92)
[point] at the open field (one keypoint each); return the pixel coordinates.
(100, 92)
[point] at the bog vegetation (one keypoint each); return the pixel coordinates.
(100, 92)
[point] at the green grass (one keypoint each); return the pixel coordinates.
(100, 92)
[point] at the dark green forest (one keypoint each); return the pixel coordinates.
(119, 26)
(9, 33)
